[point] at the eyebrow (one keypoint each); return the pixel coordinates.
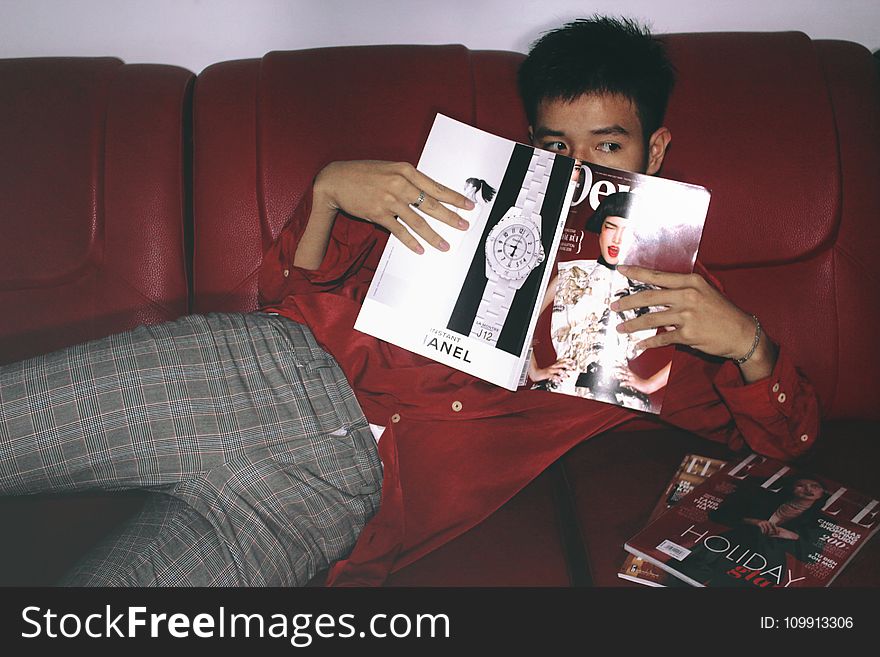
(543, 131)
(615, 129)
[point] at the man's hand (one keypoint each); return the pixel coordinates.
(698, 316)
(382, 193)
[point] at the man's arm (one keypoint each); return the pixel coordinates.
(765, 402)
(382, 193)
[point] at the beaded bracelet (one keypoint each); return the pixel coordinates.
(740, 361)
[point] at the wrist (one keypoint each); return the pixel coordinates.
(753, 340)
(761, 362)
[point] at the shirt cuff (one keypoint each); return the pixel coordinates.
(769, 397)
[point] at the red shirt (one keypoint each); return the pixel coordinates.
(457, 448)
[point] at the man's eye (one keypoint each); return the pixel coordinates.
(608, 147)
(555, 146)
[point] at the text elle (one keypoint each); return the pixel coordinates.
(865, 517)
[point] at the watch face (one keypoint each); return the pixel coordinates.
(513, 248)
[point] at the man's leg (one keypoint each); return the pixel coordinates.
(261, 523)
(137, 409)
(166, 544)
(210, 410)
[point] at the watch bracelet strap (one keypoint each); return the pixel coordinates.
(534, 188)
(498, 294)
(494, 307)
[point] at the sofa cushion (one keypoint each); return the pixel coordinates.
(752, 121)
(264, 128)
(784, 131)
(518, 545)
(92, 199)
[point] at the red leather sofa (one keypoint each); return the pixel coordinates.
(128, 194)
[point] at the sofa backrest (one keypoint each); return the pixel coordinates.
(263, 129)
(784, 130)
(92, 199)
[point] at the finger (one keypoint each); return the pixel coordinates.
(661, 340)
(400, 231)
(434, 208)
(420, 227)
(417, 185)
(661, 278)
(646, 299)
(440, 192)
(650, 320)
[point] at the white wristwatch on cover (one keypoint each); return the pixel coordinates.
(513, 250)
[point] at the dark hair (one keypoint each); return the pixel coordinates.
(787, 483)
(485, 189)
(617, 204)
(599, 55)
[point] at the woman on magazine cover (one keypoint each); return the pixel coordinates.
(592, 356)
(767, 528)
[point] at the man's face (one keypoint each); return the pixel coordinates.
(600, 128)
(611, 238)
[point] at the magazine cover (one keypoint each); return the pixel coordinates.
(693, 470)
(617, 217)
(475, 306)
(760, 524)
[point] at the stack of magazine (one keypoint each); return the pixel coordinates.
(522, 298)
(693, 470)
(758, 523)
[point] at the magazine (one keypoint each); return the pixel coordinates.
(617, 217)
(475, 306)
(761, 524)
(691, 472)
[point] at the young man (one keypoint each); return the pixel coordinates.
(455, 449)
(253, 430)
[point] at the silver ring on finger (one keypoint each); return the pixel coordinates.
(419, 200)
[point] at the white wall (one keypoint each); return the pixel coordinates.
(196, 33)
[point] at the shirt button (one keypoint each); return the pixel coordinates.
(775, 387)
(804, 438)
(456, 406)
(781, 398)
(395, 418)
(286, 273)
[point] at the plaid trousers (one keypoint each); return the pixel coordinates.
(262, 464)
